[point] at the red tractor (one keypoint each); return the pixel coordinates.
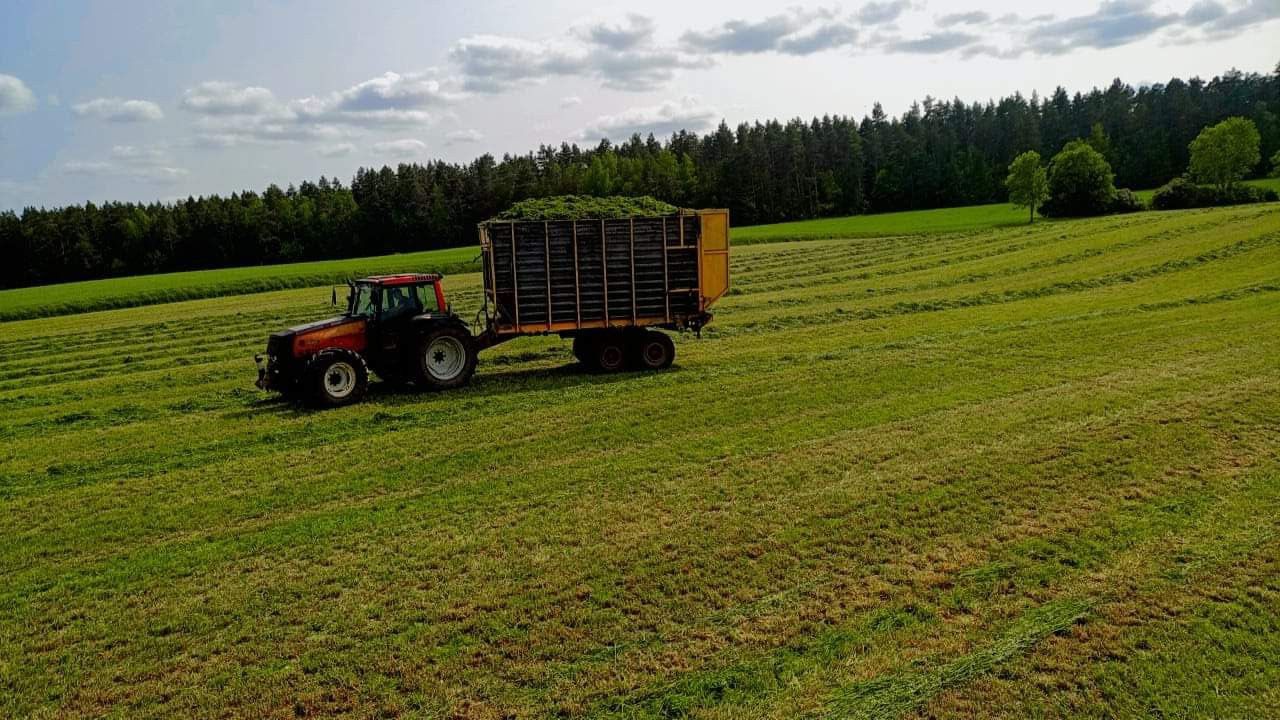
(400, 326)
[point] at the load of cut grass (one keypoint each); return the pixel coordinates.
(583, 207)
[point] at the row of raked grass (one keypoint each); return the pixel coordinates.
(91, 295)
(1025, 472)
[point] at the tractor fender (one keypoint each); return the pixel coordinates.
(428, 323)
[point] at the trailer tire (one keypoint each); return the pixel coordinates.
(584, 351)
(446, 359)
(653, 350)
(335, 378)
(609, 352)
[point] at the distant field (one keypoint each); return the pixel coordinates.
(150, 289)
(169, 287)
(1015, 473)
(975, 217)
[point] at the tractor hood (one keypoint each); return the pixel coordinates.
(335, 332)
(319, 325)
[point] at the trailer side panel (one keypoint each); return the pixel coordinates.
(566, 275)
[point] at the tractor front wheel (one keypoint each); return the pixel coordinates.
(336, 377)
(446, 359)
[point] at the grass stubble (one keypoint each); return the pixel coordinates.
(1002, 473)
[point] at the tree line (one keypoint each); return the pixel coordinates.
(937, 154)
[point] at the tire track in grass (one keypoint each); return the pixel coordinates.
(888, 697)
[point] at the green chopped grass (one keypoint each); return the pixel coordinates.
(1013, 472)
(585, 207)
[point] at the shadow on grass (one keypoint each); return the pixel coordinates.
(484, 384)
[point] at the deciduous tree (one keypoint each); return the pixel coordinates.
(1027, 182)
(1225, 153)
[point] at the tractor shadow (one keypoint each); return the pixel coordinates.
(505, 379)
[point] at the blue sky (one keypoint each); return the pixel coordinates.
(139, 100)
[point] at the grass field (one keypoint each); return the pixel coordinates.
(91, 295)
(67, 298)
(1021, 472)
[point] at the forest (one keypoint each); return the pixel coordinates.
(939, 153)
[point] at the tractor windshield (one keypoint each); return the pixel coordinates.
(362, 302)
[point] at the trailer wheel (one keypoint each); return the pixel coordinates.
(336, 377)
(610, 352)
(584, 350)
(446, 359)
(653, 351)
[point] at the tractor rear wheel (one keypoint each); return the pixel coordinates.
(335, 378)
(652, 350)
(446, 359)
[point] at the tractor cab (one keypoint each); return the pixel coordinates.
(390, 298)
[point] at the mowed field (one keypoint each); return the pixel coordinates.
(91, 295)
(1020, 472)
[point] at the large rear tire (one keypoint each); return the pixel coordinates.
(446, 359)
(335, 378)
(652, 350)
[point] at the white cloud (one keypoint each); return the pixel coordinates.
(671, 116)
(638, 30)
(570, 101)
(933, 43)
(400, 148)
(15, 96)
(795, 32)
(150, 164)
(336, 150)
(878, 13)
(389, 99)
(622, 57)
(237, 114)
(230, 132)
(218, 97)
(114, 109)
(463, 136)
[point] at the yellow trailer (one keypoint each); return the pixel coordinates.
(607, 283)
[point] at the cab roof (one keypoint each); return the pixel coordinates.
(401, 279)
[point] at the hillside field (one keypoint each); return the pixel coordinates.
(1026, 471)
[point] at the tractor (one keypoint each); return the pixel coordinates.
(398, 326)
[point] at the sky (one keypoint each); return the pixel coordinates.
(141, 101)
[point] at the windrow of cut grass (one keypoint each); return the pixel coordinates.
(92, 295)
(1024, 471)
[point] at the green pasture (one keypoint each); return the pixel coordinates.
(1011, 472)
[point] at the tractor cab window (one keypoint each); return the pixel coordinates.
(363, 301)
(426, 297)
(400, 301)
